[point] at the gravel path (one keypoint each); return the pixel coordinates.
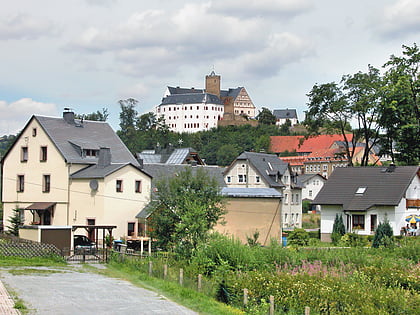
(72, 291)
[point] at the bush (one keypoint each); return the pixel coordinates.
(338, 229)
(353, 240)
(383, 235)
(298, 237)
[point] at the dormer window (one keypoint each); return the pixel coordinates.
(361, 190)
(90, 153)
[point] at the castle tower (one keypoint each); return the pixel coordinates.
(213, 84)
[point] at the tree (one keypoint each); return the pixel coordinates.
(128, 122)
(15, 222)
(285, 128)
(400, 111)
(187, 207)
(338, 229)
(266, 117)
(95, 116)
(298, 237)
(226, 154)
(383, 235)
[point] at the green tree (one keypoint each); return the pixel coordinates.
(338, 229)
(128, 123)
(400, 111)
(285, 128)
(15, 221)
(95, 116)
(383, 235)
(266, 117)
(226, 154)
(187, 207)
(298, 237)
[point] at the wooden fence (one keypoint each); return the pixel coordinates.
(14, 246)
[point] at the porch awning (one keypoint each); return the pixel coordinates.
(40, 206)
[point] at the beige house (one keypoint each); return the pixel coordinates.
(69, 172)
(261, 170)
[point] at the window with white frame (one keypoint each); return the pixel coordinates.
(242, 178)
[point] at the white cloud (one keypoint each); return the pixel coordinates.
(258, 8)
(150, 42)
(399, 20)
(22, 26)
(13, 116)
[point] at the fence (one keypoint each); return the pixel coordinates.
(211, 288)
(13, 246)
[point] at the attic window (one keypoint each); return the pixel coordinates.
(90, 153)
(361, 190)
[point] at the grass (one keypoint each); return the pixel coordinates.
(184, 296)
(7, 261)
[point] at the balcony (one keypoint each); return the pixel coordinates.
(412, 203)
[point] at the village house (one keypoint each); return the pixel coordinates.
(284, 115)
(192, 110)
(70, 172)
(366, 196)
(261, 170)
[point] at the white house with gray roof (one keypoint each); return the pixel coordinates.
(70, 172)
(283, 115)
(366, 196)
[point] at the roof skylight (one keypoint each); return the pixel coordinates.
(361, 190)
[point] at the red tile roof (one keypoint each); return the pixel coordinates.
(285, 143)
(321, 142)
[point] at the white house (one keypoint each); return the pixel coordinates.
(365, 196)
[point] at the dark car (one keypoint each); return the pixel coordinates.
(82, 244)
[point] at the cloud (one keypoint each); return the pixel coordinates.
(22, 26)
(100, 2)
(262, 8)
(13, 116)
(151, 43)
(399, 19)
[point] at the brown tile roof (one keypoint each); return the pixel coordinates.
(285, 143)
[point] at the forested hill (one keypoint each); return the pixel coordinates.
(5, 143)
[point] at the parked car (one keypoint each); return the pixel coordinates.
(83, 244)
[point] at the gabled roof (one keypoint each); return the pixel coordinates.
(269, 166)
(191, 98)
(307, 177)
(384, 187)
(285, 143)
(95, 171)
(231, 92)
(178, 91)
(285, 113)
(86, 135)
(321, 142)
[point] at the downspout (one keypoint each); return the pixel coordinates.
(68, 193)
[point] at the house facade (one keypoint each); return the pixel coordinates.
(260, 170)
(68, 172)
(366, 196)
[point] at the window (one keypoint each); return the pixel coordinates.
(358, 221)
(310, 193)
(46, 183)
(286, 198)
(24, 154)
(43, 156)
(33, 132)
(257, 179)
(242, 178)
(229, 179)
(137, 186)
(119, 185)
(20, 183)
(360, 190)
(297, 199)
(130, 228)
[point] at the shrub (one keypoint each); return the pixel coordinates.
(353, 240)
(338, 229)
(383, 235)
(298, 237)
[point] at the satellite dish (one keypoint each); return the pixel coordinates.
(93, 184)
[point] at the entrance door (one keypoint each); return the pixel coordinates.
(91, 232)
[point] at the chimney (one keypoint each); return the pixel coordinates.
(104, 158)
(68, 117)
(141, 163)
(391, 168)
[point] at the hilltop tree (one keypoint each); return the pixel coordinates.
(266, 117)
(187, 207)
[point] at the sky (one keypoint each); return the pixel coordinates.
(89, 54)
